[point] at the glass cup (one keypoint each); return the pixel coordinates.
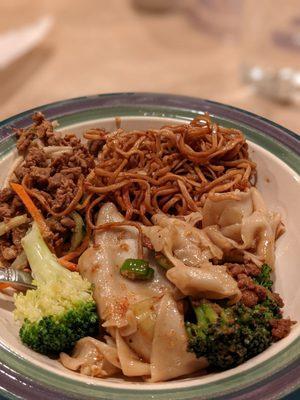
(270, 48)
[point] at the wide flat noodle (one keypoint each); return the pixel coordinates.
(169, 358)
(207, 281)
(93, 358)
(131, 364)
(243, 224)
(190, 249)
(114, 294)
(177, 239)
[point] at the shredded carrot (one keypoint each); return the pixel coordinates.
(31, 207)
(4, 285)
(67, 264)
(78, 251)
(39, 219)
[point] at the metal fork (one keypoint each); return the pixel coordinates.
(16, 278)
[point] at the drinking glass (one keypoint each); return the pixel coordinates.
(270, 48)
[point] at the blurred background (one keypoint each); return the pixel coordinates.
(241, 52)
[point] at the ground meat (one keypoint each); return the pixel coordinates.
(40, 176)
(61, 229)
(278, 299)
(9, 252)
(252, 269)
(17, 205)
(235, 269)
(249, 298)
(261, 292)
(245, 282)
(63, 190)
(55, 181)
(56, 226)
(54, 139)
(80, 160)
(42, 126)
(17, 234)
(244, 274)
(10, 206)
(54, 175)
(35, 157)
(26, 137)
(5, 211)
(41, 129)
(72, 171)
(249, 269)
(6, 195)
(281, 328)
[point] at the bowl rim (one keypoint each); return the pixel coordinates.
(288, 378)
(165, 99)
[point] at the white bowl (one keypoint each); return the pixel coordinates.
(278, 180)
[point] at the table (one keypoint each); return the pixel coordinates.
(98, 46)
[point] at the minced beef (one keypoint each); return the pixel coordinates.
(245, 282)
(278, 299)
(281, 328)
(61, 229)
(64, 193)
(10, 205)
(41, 129)
(17, 234)
(7, 250)
(252, 293)
(249, 269)
(5, 211)
(40, 176)
(249, 298)
(35, 158)
(55, 175)
(6, 195)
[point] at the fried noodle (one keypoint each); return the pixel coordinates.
(172, 169)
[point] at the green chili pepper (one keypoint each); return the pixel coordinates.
(163, 261)
(135, 269)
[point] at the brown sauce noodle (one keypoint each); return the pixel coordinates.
(171, 170)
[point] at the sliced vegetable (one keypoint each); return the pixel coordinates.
(4, 285)
(13, 223)
(163, 261)
(79, 230)
(61, 309)
(20, 262)
(146, 316)
(67, 264)
(78, 251)
(135, 269)
(31, 207)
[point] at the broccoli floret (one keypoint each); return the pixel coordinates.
(229, 336)
(61, 310)
(55, 333)
(264, 278)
